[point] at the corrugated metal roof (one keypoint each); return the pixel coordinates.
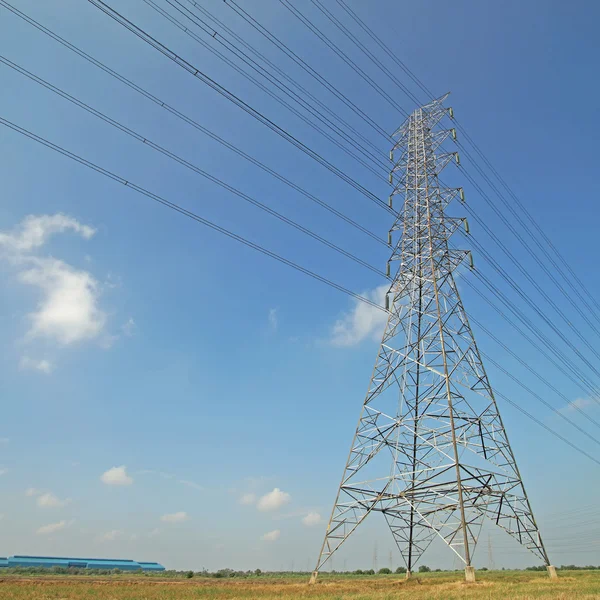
(72, 558)
(24, 560)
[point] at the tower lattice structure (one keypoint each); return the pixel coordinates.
(430, 450)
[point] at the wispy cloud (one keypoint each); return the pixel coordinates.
(3, 471)
(53, 527)
(128, 328)
(578, 404)
(42, 365)
(35, 230)
(362, 322)
(49, 500)
(4, 441)
(171, 476)
(116, 476)
(248, 499)
(162, 474)
(177, 517)
(273, 319)
(271, 536)
(111, 536)
(312, 519)
(191, 484)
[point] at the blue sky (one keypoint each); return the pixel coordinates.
(226, 385)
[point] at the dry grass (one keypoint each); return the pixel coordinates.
(433, 586)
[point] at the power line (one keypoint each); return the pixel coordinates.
(282, 87)
(508, 224)
(579, 382)
(524, 242)
(511, 282)
(535, 330)
(343, 56)
(305, 66)
(185, 163)
(524, 364)
(183, 211)
(369, 54)
(244, 196)
(513, 230)
(298, 97)
(548, 241)
(539, 262)
(282, 73)
(540, 399)
(255, 246)
(544, 426)
(386, 49)
(188, 120)
(198, 74)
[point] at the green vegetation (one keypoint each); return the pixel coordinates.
(579, 584)
(232, 573)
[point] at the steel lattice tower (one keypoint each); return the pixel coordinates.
(430, 450)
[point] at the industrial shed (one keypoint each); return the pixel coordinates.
(79, 563)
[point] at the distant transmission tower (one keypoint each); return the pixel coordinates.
(375, 556)
(430, 451)
(491, 563)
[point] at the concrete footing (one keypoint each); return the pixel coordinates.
(313, 578)
(407, 574)
(470, 574)
(552, 571)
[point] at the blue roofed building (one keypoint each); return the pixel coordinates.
(79, 563)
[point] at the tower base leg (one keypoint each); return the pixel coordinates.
(313, 578)
(470, 574)
(407, 574)
(552, 571)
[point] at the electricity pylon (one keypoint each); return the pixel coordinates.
(430, 450)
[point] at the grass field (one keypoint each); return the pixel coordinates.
(431, 586)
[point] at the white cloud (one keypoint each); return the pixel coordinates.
(248, 499)
(128, 327)
(273, 320)
(273, 500)
(362, 322)
(34, 231)
(177, 517)
(110, 536)
(154, 532)
(3, 471)
(51, 528)
(271, 536)
(133, 537)
(69, 311)
(42, 365)
(311, 519)
(116, 476)
(32, 492)
(49, 500)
